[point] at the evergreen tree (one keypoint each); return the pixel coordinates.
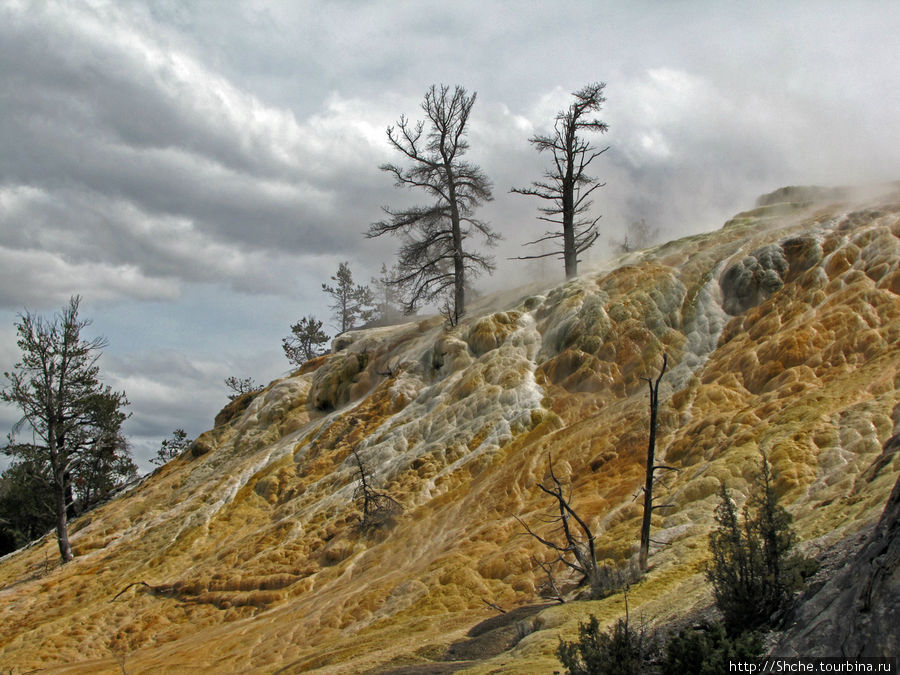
(240, 386)
(618, 651)
(305, 341)
(102, 472)
(172, 447)
(353, 304)
(753, 573)
(73, 419)
(26, 506)
(708, 650)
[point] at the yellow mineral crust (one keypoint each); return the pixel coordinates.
(246, 554)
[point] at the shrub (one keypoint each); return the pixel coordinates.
(172, 447)
(753, 573)
(707, 651)
(618, 651)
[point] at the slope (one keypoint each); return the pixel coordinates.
(782, 332)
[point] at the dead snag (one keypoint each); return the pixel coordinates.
(577, 550)
(377, 507)
(649, 506)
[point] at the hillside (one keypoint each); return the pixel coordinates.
(782, 331)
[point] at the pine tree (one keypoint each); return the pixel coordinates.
(305, 341)
(240, 386)
(73, 419)
(172, 447)
(753, 573)
(353, 304)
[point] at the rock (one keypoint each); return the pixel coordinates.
(234, 408)
(490, 332)
(334, 383)
(202, 445)
(749, 282)
(857, 612)
(802, 253)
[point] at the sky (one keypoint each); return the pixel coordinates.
(196, 170)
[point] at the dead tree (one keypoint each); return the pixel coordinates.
(552, 589)
(649, 506)
(377, 507)
(566, 187)
(577, 550)
(434, 264)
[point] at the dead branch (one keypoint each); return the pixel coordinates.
(577, 548)
(163, 589)
(493, 606)
(377, 507)
(551, 581)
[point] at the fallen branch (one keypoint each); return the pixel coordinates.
(493, 606)
(155, 590)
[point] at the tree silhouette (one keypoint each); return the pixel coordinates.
(566, 186)
(172, 447)
(433, 262)
(649, 506)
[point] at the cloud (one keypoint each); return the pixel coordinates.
(168, 390)
(36, 278)
(196, 170)
(125, 152)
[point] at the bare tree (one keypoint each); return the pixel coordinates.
(433, 262)
(577, 548)
(353, 303)
(377, 507)
(70, 414)
(387, 298)
(305, 341)
(638, 236)
(649, 506)
(566, 185)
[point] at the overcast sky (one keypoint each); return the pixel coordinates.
(195, 170)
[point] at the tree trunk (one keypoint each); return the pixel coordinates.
(459, 268)
(644, 554)
(62, 525)
(55, 441)
(570, 255)
(648, 490)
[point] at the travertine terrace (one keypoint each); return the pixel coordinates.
(782, 331)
